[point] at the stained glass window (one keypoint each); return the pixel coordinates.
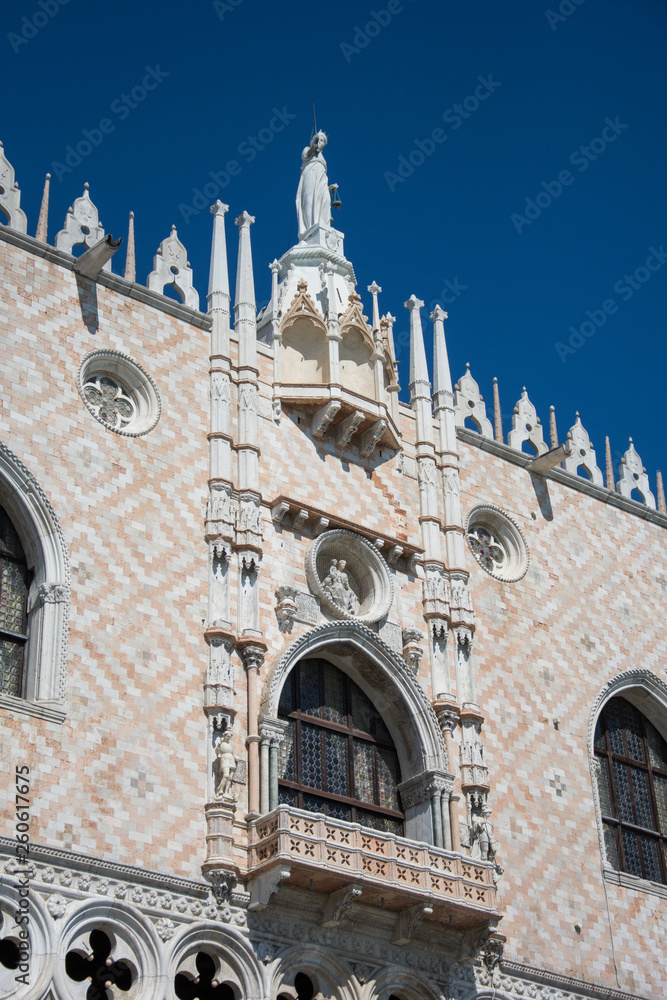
(338, 746)
(14, 582)
(633, 790)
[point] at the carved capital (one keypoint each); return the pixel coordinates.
(272, 731)
(53, 593)
(252, 654)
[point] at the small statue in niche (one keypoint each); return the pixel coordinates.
(483, 845)
(224, 766)
(336, 586)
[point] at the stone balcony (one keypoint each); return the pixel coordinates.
(315, 852)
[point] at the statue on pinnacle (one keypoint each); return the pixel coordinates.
(313, 196)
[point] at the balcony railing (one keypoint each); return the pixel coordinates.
(326, 854)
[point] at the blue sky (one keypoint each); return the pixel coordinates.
(532, 211)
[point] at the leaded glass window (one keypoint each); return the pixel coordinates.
(337, 756)
(632, 782)
(14, 582)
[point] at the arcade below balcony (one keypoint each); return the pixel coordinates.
(316, 852)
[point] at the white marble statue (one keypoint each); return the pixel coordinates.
(313, 198)
(337, 587)
(224, 766)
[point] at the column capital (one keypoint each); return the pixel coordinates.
(252, 652)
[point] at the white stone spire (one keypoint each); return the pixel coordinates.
(43, 221)
(419, 383)
(130, 256)
(375, 289)
(244, 308)
(218, 283)
(442, 379)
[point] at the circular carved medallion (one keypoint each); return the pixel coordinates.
(349, 576)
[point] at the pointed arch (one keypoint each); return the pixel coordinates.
(629, 771)
(383, 675)
(41, 535)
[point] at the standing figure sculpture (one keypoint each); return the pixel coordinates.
(224, 766)
(313, 198)
(483, 845)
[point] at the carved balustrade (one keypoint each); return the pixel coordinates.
(326, 854)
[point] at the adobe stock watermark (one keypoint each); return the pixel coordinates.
(566, 8)
(453, 116)
(222, 7)
(121, 108)
(378, 20)
(624, 288)
(31, 26)
(581, 158)
(248, 149)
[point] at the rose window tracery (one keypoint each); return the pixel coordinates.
(119, 393)
(497, 543)
(109, 402)
(486, 549)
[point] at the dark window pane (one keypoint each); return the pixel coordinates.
(13, 594)
(599, 734)
(311, 756)
(387, 768)
(11, 667)
(310, 687)
(385, 824)
(336, 754)
(623, 798)
(334, 708)
(633, 733)
(650, 850)
(363, 771)
(631, 848)
(657, 748)
(661, 801)
(338, 811)
(642, 802)
(286, 797)
(611, 844)
(614, 722)
(313, 804)
(9, 539)
(603, 787)
(286, 698)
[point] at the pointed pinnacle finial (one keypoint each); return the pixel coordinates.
(661, 493)
(41, 233)
(418, 366)
(442, 377)
(497, 415)
(130, 259)
(609, 468)
(553, 430)
(375, 289)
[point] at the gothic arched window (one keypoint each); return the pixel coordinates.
(14, 583)
(337, 756)
(632, 780)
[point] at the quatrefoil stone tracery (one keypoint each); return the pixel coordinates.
(109, 402)
(486, 549)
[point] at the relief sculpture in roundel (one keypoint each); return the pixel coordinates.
(349, 576)
(336, 586)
